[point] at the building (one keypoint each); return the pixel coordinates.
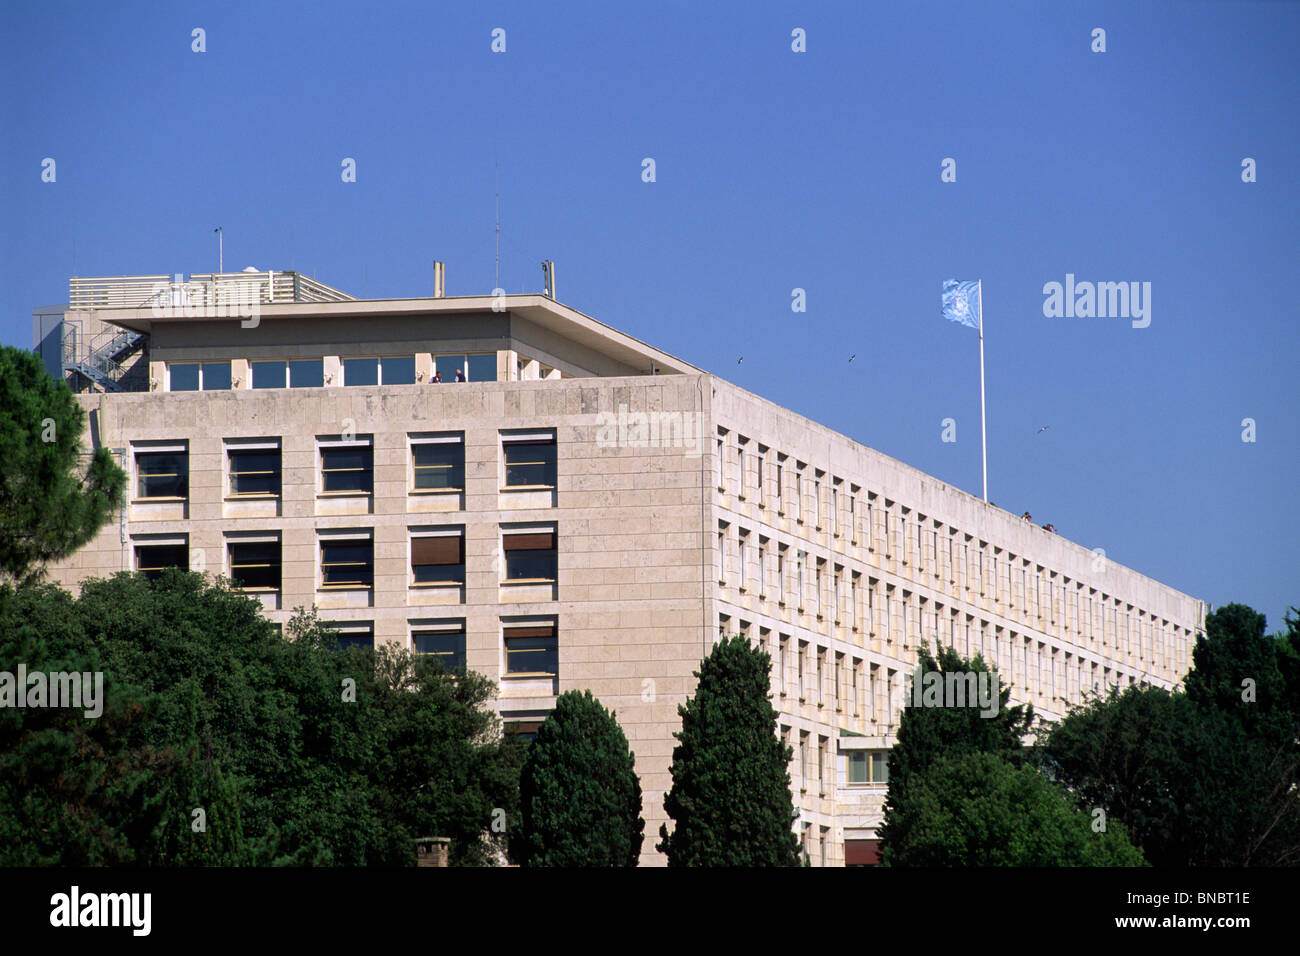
(584, 511)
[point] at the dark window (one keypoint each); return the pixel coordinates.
(347, 564)
(216, 376)
(268, 374)
(525, 730)
(361, 371)
(439, 464)
(438, 559)
(153, 559)
(398, 370)
(483, 368)
(308, 373)
(164, 474)
(532, 650)
(255, 564)
(447, 646)
(530, 555)
(184, 378)
(353, 636)
(449, 365)
(255, 472)
(530, 462)
(348, 468)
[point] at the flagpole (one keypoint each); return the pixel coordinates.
(984, 451)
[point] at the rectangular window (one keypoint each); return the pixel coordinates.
(397, 370)
(438, 557)
(529, 460)
(347, 467)
(443, 640)
(307, 373)
(743, 551)
(193, 376)
(183, 376)
(347, 562)
(531, 649)
(156, 556)
(361, 371)
(255, 565)
(740, 467)
(270, 374)
(438, 462)
(530, 555)
(867, 767)
(354, 634)
(162, 471)
(254, 468)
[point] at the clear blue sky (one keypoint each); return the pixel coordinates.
(775, 170)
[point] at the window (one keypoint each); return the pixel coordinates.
(762, 566)
(438, 556)
(867, 767)
(162, 471)
(270, 374)
(743, 550)
(740, 467)
(438, 462)
(361, 371)
(354, 634)
(472, 368)
(193, 376)
(780, 573)
(347, 467)
(530, 554)
(347, 560)
(722, 552)
(154, 555)
(529, 459)
(761, 467)
(780, 484)
(531, 649)
(254, 467)
(254, 564)
(307, 373)
(397, 370)
(443, 640)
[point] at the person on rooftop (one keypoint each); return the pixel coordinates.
(1026, 516)
(437, 379)
(460, 375)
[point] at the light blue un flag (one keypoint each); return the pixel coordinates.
(961, 302)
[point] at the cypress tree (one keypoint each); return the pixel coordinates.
(730, 798)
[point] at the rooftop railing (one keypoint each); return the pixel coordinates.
(201, 289)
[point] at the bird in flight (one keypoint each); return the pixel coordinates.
(853, 356)
(739, 360)
(1043, 429)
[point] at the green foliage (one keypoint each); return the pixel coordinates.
(1208, 777)
(962, 791)
(207, 707)
(730, 797)
(48, 509)
(977, 809)
(581, 799)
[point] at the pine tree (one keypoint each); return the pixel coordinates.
(730, 798)
(580, 794)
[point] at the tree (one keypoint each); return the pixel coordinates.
(580, 796)
(730, 797)
(48, 509)
(295, 753)
(977, 809)
(929, 733)
(1210, 777)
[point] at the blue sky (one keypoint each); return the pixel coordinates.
(775, 170)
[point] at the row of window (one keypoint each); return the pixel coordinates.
(347, 557)
(1031, 667)
(310, 373)
(923, 545)
(862, 768)
(813, 584)
(254, 467)
(529, 648)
